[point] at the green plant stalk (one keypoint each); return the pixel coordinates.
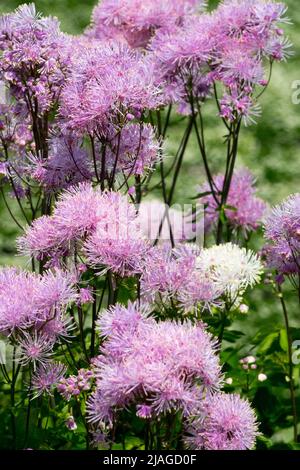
(290, 359)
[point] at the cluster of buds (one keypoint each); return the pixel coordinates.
(74, 385)
(249, 363)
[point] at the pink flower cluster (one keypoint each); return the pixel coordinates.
(133, 150)
(135, 21)
(282, 230)
(228, 46)
(73, 385)
(160, 366)
(30, 301)
(46, 377)
(101, 224)
(245, 211)
(226, 422)
(172, 277)
(166, 367)
(34, 57)
(84, 121)
(67, 164)
(92, 102)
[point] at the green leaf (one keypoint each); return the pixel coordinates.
(283, 340)
(200, 195)
(267, 342)
(133, 442)
(231, 208)
(233, 335)
(263, 442)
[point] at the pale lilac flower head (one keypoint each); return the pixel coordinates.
(46, 377)
(120, 324)
(171, 277)
(137, 20)
(54, 291)
(29, 301)
(225, 422)
(134, 150)
(254, 23)
(181, 59)
(165, 274)
(74, 217)
(105, 221)
(245, 210)
(92, 102)
(165, 366)
(75, 213)
(85, 296)
(235, 105)
(228, 46)
(34, 57)
(67, 164)
(282, 229)
(35, 349)
(16, 299)
(117, 243)
(41, 240)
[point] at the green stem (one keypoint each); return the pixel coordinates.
(290, 359)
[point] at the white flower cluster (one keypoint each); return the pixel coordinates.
(231, 268)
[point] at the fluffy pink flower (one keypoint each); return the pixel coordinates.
(46, 377)
(30, 301)
(35, 349)
(34, 57)
(75, 213)
(66, 165)
(282, 229)
(16, 299)
(40, 238)
(157, 364)
(226, 422)
(247, 209)
(137, 20)
(229, 46)
(75, 216)
(105, 221)
(171, 276)
(117, 243)
(53, 292)
(92, 102)
(133, 150)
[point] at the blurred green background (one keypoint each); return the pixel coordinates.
(270, 149)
